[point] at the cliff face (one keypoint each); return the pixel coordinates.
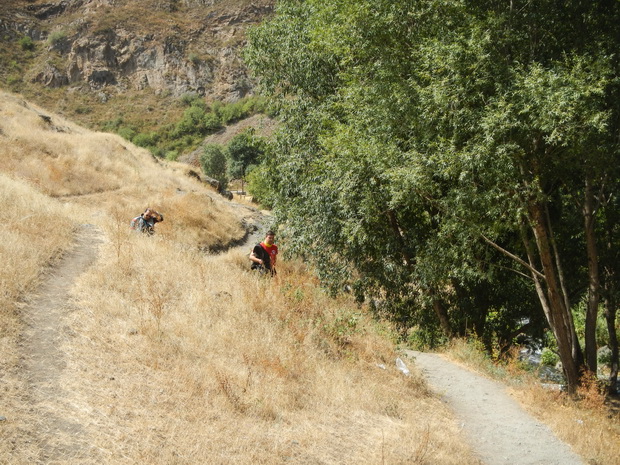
(111, 47)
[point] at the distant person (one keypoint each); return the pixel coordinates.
(265, 254)
(146, 221)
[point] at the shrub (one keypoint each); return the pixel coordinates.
(13, 80)
(126, 133)
(172, 155)
(157, 151)
(112, 125)
(548, 357)
(189, 98)
(26, 43)
(83, 110)
(212, 122)
(194, 58)
(232, 112)
(244, 150)
(56, 37)
(145, 140)
(192, 121)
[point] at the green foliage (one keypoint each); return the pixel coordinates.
(193, 122)
(126, 132)
(194, 58)
(26, 43)
(214, 163)
(419, 141)
(145, 140)
(112, 125)
(579, 317)
(231, 112)
(172, 155)
(13, 80)
(259, 186)
(190, 98)
(549, 358)
(56, 37)
(243, 150)
(343, 326)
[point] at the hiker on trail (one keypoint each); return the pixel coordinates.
(264, 255)
(146, 221)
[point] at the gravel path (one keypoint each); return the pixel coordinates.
(500, 431)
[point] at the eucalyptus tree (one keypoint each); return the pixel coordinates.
(429, 144)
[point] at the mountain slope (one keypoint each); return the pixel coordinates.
(96, 60)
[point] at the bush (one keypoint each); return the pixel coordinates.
(145, 140)
(212, 122)
(189, 98)
(232, 112)
(126, 133)
(244, 150)
(549, 358)
(194, 58)
(112, 125)
(172, 155)
(157, 151)
(56, 37)
(26, 43)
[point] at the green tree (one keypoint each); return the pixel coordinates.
(244, 150)
(214, 164)
(430, 144)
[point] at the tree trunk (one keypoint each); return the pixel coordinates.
(559, 317)
(593, 279)
(442, 314)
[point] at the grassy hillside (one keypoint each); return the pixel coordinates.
(175, 355)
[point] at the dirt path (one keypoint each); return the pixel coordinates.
(47, 316)
(500, 431)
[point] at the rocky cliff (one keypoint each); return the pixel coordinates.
(107, 48)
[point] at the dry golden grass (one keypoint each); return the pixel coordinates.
(253, 369)
(586, 422)
(34, 230)
(174, 355)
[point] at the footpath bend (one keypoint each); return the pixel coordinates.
(499, 430)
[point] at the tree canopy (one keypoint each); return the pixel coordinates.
(453, 161)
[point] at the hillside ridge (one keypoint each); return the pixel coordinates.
(93, 59)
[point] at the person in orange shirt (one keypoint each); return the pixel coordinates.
(264, 255)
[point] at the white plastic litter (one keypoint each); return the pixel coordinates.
(402, 367)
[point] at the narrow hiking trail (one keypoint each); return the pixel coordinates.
(59, 418)
(498, 429)
(63, 421)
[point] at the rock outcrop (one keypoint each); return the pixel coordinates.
(169, 46)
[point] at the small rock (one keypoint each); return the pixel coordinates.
(2, 418)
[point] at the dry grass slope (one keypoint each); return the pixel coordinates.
(172, 355)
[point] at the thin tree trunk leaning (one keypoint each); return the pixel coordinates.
(559, 316)
(593, 278)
